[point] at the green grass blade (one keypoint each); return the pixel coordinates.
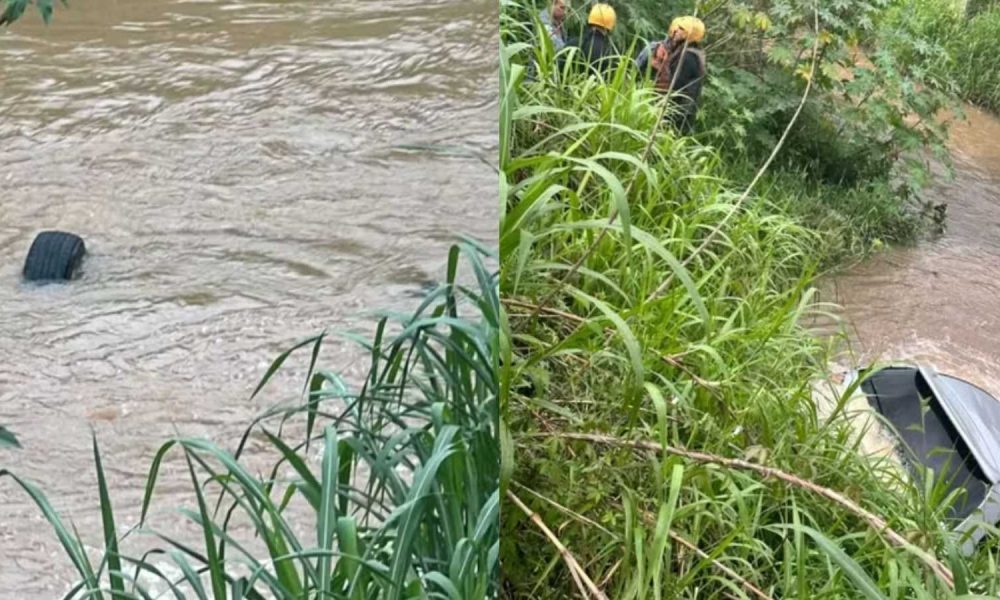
(309, 487)
(211, 550)
(314, 382)
(327, 523)
(276, 364)
(108, 521)
(345, 453)
(73, 548)
(350, 549)
(409, 516)
(191, 576)
(848, 565)
(627, 335)
(154, 472)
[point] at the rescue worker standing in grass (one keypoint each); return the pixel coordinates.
(677, 65)
(553, 18)
(595, 44)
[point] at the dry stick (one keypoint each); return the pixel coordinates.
(583, 582)
(611, 573)
(614, 211)
(760, 173)
(537, 308)
(874, 521)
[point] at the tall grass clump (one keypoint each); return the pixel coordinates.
(656, 375)
(403, 502)
(956, 46)
(975, 49)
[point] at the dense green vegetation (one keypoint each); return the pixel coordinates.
(657, 366)
(958, 46)
(404, 502)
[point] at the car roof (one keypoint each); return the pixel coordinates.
(974, 413)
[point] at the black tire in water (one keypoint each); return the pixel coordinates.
(54, 255)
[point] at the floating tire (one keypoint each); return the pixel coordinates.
(54, 256)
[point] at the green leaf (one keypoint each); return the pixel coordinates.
(108, 520)
(848, 565)
(71, 545)
(7, 439)
(44, 9)
(327, 523)
(211, 549)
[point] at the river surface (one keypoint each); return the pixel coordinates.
(939, 302)
(235, 169)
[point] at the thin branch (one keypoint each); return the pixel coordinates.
(537, 309)
(874, 521)
(583, 582)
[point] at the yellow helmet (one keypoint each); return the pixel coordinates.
(602, 15)
(692, 28)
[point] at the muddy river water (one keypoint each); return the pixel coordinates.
(939, 302)
(237, 173)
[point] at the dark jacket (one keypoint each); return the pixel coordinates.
(596, 50)
(687, 72)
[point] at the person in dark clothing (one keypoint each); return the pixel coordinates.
(677, 65)
(595, 47)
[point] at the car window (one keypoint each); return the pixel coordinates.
(927, 436)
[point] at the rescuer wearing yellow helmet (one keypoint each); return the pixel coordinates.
(677, 65)
(595, 44)
(602, 16)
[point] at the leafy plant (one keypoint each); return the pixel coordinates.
(14, 9)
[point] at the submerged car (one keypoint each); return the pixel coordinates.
(938, 422)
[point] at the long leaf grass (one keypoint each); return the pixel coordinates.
(630, 324)
(403, 504)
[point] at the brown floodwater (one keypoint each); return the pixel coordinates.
(244, 177)
(939, 302)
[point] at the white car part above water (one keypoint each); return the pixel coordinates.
(918, 417)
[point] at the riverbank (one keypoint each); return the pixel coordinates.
(654, 304)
